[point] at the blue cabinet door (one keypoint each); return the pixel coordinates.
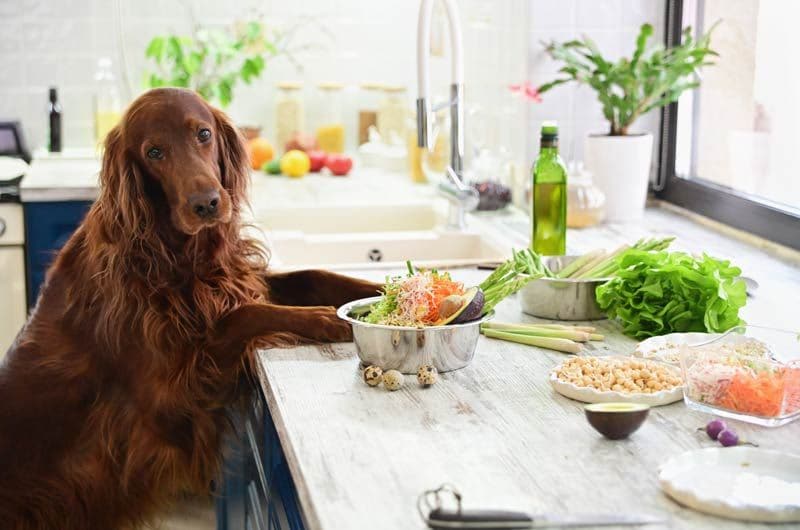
(258, 492)
(48, 225)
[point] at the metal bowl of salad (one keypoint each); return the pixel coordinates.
(406, 348)
(428, 318)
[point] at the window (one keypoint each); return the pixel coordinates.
(731, 149)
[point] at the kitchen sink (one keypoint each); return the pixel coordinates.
(429, 248)
(330, 219)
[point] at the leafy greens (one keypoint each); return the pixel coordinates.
(662, 292)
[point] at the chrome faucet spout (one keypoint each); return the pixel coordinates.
(462, 198)
(424, 109)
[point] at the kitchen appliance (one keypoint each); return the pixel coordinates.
(12, 254)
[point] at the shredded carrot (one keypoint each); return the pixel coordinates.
(759, 393)
(441, 288)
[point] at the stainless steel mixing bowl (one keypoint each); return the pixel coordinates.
(562, 299)
(405, 349)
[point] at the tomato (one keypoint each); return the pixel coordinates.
(339, 165)
(317, 160)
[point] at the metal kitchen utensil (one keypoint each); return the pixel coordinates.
(562, 299)
(405, 349)
(430, 507)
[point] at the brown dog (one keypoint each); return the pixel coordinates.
(112, 399)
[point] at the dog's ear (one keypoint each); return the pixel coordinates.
(234, 161)
(123, 196)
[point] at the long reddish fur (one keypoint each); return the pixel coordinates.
(112, 399)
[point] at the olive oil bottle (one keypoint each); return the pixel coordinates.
(549, 196)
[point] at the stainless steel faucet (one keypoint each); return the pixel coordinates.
(462, 197)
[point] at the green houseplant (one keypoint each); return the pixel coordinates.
(628, 88)
(213, 61)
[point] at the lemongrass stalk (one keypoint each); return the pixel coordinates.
(578, 263)
(590, 266)
(601, 266)
(596, 336)
(562, 345)
(529, 329)
(587, 329)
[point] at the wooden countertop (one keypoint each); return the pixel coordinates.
(360, 455)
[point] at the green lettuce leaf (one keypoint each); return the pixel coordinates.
(663, 292)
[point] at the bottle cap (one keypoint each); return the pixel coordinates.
(53, 95)
(549, 128)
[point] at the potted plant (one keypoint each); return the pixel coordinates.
(627, 89)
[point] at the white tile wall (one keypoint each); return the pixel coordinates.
(57, 42)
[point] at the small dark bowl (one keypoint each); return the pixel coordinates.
(616, 421)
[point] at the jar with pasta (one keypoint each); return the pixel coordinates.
(330, 128)
(289, 112)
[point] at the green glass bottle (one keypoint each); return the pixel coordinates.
(549, 214)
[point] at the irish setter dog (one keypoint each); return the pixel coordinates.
(113, 397)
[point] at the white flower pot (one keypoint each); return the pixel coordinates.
(621, 168)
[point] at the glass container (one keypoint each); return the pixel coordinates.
(107, 100)
(586, 203)
(289, 112)
(392, 115)
(369, 100)
(330, 128)
(750, 373)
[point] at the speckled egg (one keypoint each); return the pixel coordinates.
(392, 380)
(373, 375)
(427, 375)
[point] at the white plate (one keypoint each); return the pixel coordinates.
(667, 348)
(591, 395)
(743, 483)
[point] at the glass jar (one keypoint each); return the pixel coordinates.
(107, 100)
(369, 100)
(330, 128)
(289, 112)
(392, 115)
(586, 203)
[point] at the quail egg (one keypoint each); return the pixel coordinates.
(373, 375)
(392, 380)
(427, 375)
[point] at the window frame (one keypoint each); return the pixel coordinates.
(721, 203)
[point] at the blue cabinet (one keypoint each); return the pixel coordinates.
(48, 225)
(257, 491)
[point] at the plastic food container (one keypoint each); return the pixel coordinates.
(756, 381)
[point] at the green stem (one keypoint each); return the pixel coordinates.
(562, 345)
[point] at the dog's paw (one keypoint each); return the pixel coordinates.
(328, 327)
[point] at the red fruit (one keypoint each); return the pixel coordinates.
(317, 160)
(339, 165)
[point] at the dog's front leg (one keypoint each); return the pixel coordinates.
(318, 288)
(238, 328)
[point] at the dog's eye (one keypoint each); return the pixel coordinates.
(204, 135)
(154, 153)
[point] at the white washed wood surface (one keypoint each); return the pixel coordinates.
(496, 429)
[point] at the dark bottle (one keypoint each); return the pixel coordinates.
(54, 110)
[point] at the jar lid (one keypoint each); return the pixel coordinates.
(290, 85)
(330, 85)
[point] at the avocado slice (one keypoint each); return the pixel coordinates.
(462, 308)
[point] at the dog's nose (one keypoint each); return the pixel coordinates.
(204, 204)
